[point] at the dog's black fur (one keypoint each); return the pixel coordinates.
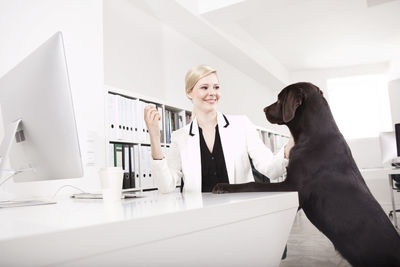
(331, 190)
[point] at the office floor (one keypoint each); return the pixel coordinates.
(308, 247)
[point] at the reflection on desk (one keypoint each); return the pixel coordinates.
(158, 229)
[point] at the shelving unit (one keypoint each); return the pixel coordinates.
(127, 132)
(272, 139)
(135, 134)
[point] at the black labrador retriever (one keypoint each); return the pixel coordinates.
(331, 190)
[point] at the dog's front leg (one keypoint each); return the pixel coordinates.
(253, 187)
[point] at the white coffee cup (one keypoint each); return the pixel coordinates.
(111, 183)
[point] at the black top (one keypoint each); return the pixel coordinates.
(213, 168)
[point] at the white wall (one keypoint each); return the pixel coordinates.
(394, 95)
(27, 24)
(161, 56)
(366, 151)
(133, 49)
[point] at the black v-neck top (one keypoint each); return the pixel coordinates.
(213, 168)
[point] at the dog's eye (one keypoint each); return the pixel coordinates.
(278, 101)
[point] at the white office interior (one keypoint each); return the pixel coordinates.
(145, 47)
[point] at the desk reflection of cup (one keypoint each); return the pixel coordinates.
(111, 183)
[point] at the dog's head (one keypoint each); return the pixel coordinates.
(289, 100)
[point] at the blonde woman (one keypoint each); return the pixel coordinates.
(213, 148)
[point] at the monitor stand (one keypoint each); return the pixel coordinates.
(8, 141)
(14, 130)
(396, 162)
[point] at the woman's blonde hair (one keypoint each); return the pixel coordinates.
(195, 74)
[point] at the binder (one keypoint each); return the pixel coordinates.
(145, 154)
(125, 166)
(112, 116)
(136, 138)
(120, 129)
(171, 124)
(145, 132)
(181, 119)
(143, 171)
(132, 120)
(139, 120)
(147, 135)
(138, 183)
(122, 115)
(148, 169)
(127, 124)
(176, 121)
(118, 155)
(267, 140)
(132, 170)
(126, 118)
(168, 125)
(161, 124)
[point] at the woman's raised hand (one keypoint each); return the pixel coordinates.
(151, 117)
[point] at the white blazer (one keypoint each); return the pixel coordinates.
(239, 140)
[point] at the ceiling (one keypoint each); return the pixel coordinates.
(312, 34)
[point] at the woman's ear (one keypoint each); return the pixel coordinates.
(189, 95)
(291, 102)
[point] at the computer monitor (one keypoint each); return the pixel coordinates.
(397, 132)
(389, 149)
(40, 140)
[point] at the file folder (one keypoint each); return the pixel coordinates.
(161, 124)
(139, 120)
(144, 180)
(125, 127)
(148, 169)
(168, 126)
(138, 183)
(120, 119)
(118, 155)
(132, 170)
(181, 119)
(125, 166)
(147, 135)
(113, 116)
(132, 119)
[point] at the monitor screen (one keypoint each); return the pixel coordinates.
(37, 92)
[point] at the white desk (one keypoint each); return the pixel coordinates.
(243, 229)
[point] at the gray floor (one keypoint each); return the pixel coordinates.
(308, 247)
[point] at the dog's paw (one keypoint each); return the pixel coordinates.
(222, 188)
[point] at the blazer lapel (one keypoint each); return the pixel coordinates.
(193, 158)
(228, 143)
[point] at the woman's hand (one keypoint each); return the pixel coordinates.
(288, 147)
(151, 117)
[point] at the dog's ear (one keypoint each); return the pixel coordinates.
(291, 102)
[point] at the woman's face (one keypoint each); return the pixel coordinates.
(206, 94)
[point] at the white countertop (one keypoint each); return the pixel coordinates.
(387, 170)
(73, 225)
(75, 213)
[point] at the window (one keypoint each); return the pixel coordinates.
(360, 105)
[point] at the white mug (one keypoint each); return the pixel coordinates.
(111, 183)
